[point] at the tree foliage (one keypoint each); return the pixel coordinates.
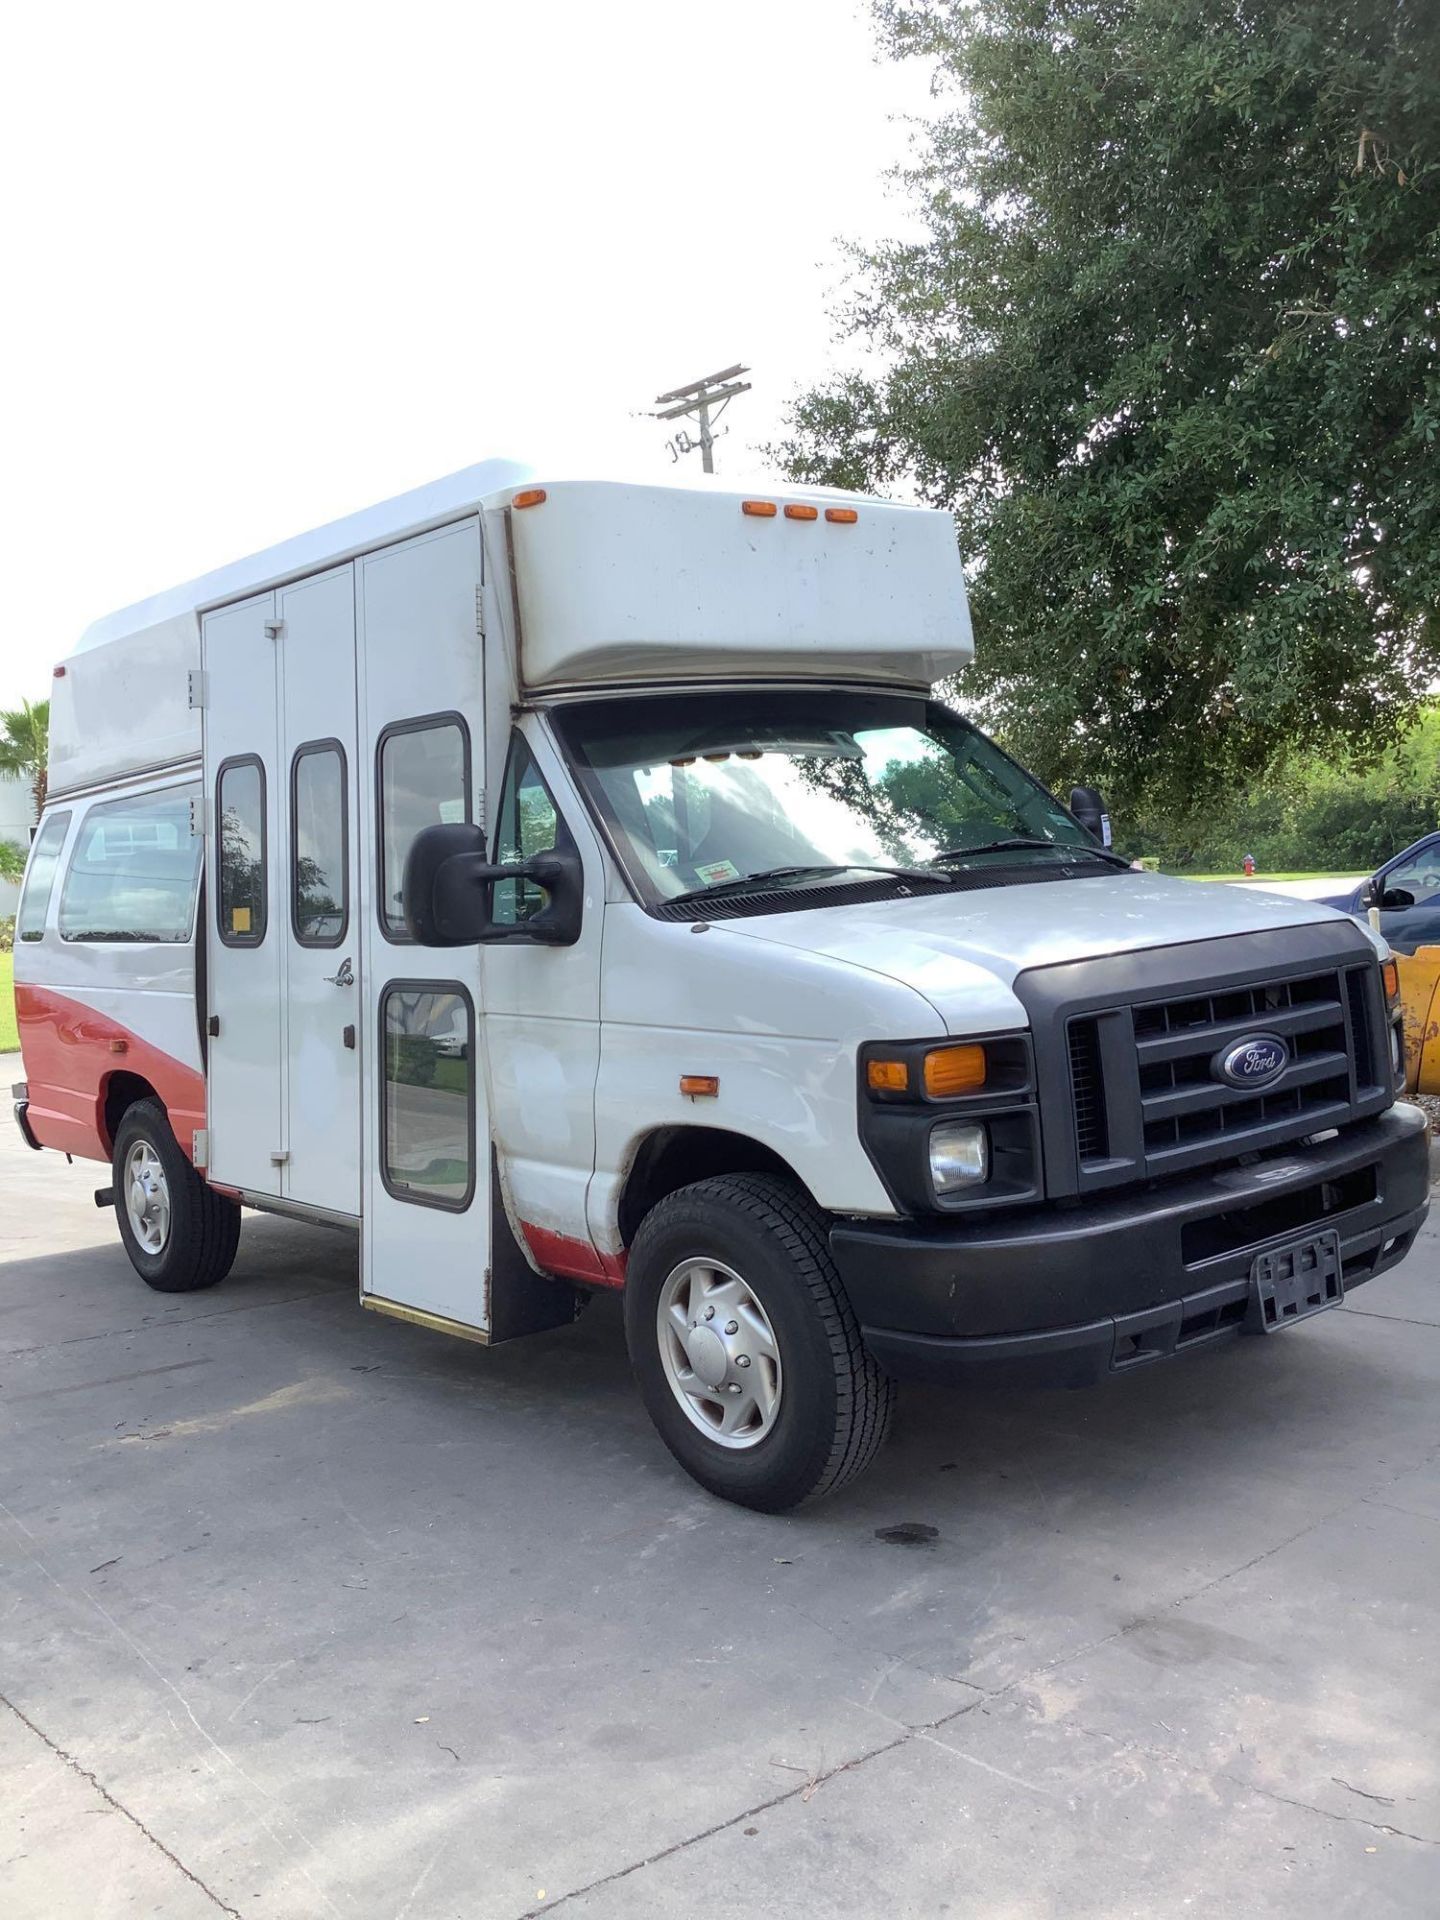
(25, 745)
(1168, 348)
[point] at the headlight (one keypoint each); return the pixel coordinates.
(959, 1155)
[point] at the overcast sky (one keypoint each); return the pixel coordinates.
(267, 264)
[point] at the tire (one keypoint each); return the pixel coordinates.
(829, 1403)
(184, 1237)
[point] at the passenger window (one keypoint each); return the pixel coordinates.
(40, 877)
(427, 1118)
(319, 830)
(240, 852)
(424, 782)
(133, 871)
(529, 823)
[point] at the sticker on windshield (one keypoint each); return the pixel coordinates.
(713, 870)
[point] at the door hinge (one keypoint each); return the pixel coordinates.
(200, 1147)
(212, 1026)
(198, 822)
(279, 1159)
(349, 1038)
(480, 613)
(274, 629)
(199, 682)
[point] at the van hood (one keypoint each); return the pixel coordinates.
(962, 950)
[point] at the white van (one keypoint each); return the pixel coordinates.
(574, 885)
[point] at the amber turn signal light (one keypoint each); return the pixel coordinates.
(700, 1086)
(1390, 974)
(887, 1076)
(952, 1070)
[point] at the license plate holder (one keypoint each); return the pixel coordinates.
(1291, 1282)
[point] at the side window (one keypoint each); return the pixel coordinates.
(319, 838)
(424, 781)
(40, 877)
(1420, 878)
(529, 823)
(134, 870)
(427, 1093)
(240, 852)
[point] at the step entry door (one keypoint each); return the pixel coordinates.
(284, 975)
(426, 1119)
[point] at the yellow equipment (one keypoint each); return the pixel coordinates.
(1420, 998)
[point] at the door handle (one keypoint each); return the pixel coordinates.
(344, 978)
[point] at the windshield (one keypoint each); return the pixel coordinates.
(702, 790)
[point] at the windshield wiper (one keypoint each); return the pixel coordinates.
(1018, 843)
(764, 874)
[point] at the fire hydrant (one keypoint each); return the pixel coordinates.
(1249, 865)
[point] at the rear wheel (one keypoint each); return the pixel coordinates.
(747, 1353)
(180, 1235)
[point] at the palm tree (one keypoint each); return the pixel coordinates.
(24, 745)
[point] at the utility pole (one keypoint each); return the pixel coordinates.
(716, 390)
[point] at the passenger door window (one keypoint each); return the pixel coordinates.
(40, 877)
(240, 852)
(427, 1119)
(529, 823)
(319, 886)
(424, 768)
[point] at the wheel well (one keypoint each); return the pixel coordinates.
(675, 1157)
(122, 1090)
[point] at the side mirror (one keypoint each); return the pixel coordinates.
(1089, 809)
(446, 891)
(1395, 899)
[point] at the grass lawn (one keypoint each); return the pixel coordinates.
(9, 1032)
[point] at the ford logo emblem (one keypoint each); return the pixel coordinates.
(1252, 1062)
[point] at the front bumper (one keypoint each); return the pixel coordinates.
(1069, 1296)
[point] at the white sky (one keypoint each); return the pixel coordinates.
(268, 264)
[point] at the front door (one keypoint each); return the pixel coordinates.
(426, 1119)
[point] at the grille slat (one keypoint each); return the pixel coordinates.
(1287, 1021)
(1193, 1095)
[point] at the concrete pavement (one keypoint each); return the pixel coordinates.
(308, 1613)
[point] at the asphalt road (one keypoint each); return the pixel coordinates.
(308, 1613)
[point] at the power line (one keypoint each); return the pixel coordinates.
(696, 401)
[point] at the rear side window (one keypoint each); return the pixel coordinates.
(133, 870)
(427, 1093)
(240, 852)
(40, 877)
(424, 769)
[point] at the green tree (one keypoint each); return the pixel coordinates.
(1167, 345)
(24, 745)
(12, 861)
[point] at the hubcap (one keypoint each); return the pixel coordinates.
(719, 1352)
(147, 1197)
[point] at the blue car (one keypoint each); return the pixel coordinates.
(1407, 892)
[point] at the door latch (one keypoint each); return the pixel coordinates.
(344, 978)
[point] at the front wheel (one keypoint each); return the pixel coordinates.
(747, 1353)
(180, 1234)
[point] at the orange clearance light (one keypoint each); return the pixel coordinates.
(758, 509)
(529, 497)
(952, 1070)
(700, 1086)
(1390, 974)
(887, 1076)
(794, 511)
(841, 516)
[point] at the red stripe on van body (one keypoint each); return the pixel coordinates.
(574, 1259)
(68, 1049)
